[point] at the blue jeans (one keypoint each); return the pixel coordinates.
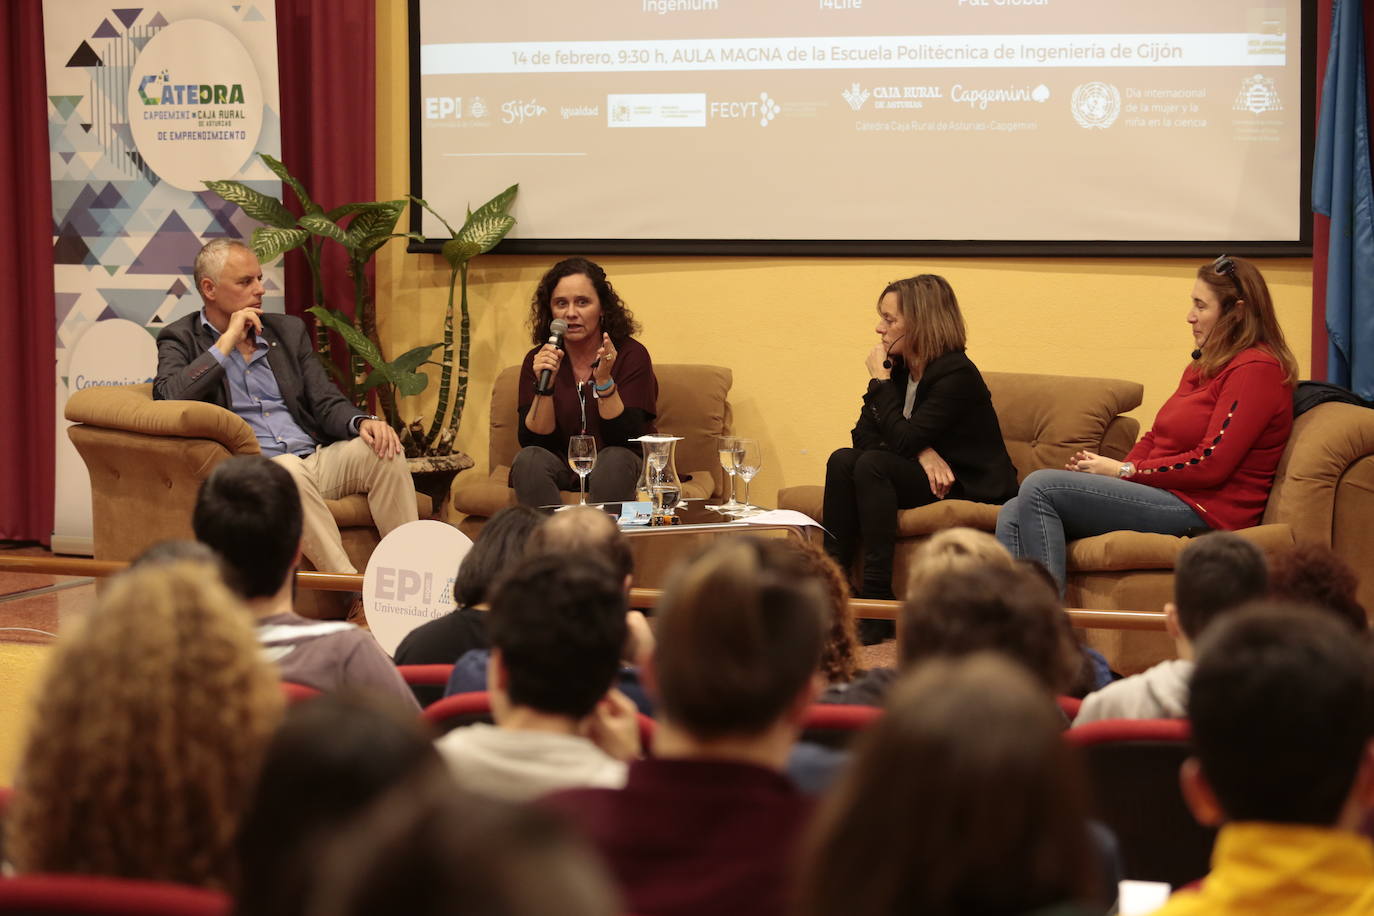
(1054, 507)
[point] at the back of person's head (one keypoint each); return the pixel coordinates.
(1313, 574)
(739, 640)
(147, 732)
(962, 798)
(588, 531)
(1214, 574)
(329, 759)
(249, 512)
(956, 548)
(808, 561)
(502, 542)
(558, 621)
(990, 607)
(1281, 705)
(429, 849)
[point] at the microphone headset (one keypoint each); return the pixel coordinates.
(557, 328)
(887, 358)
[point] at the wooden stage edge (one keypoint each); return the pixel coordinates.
(639, 597)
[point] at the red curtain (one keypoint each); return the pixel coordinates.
(326, 51)
(27, 312)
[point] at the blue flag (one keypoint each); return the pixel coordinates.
(1343, 189)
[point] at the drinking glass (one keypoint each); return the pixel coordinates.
(582, 458)
(727, 450)
(749, 462)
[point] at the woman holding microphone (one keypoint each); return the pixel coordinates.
(926, 431)
(1208, 461)
(596, 380)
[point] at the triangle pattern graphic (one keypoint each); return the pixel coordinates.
(157, 21)
(65, 104)
(137, 305)
(128, 15)
(254, 15)
(85, 56)
(106, 30)
(172, 250)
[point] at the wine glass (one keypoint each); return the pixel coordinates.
(582, 458)
(727, 450)
(747, 465)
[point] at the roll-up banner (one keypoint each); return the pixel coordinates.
(145, 103)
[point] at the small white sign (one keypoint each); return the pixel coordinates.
(656, 109)
(409, 579)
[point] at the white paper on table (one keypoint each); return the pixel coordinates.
(782, 517)
(1135, 898)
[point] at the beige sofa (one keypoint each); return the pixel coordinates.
(1323, 493)
(147, 459)
(693, 402)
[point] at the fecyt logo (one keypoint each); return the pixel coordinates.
(765, 109)
(187, 93)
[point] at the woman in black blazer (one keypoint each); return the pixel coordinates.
(926, 431)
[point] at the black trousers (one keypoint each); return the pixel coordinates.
(539, 476)
(864, 489)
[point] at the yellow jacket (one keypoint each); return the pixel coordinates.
(1288, 869)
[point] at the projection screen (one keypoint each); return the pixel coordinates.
(848, 125)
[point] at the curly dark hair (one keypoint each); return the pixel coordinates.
(616, 318)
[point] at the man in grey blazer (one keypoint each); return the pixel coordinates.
(263, 367)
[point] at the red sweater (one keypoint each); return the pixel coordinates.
(1217, 442)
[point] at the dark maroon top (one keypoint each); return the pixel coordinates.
(690, 837)
(633, 372)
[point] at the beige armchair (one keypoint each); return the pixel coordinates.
(147, 459)
(692, 403)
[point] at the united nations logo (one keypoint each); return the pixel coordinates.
(1096, 104)
(1257, 95)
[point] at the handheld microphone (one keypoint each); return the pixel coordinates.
(887, 360)
(557, 328)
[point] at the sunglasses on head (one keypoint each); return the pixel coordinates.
(1224, 265)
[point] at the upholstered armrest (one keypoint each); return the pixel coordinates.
(701, 485)
(484, 498)
(1330, 446)
(131, 408)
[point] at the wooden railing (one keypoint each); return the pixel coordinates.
(639, 597)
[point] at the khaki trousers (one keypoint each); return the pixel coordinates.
(342, 469)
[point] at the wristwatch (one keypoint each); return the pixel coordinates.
(1126, 470)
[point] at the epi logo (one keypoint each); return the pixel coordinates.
(395, 584)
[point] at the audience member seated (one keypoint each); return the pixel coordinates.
(839, 661)
(557, 625)
(1214, 574)
(146, 734)
(582, 532)
(329, 759)
(249, 512)
(962, 799)
(1280, 707)
(709, 824)
(428, 849)
(444, 640)
(1314, 575)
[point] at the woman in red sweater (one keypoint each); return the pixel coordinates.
(1209, 459)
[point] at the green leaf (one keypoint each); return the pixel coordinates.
(486, 232)
(256, 204)
(451, 230)
(343, 210)
(270, 242)
(308, 205)
(375, 222)
(497, 206)
(457, 251)
(368, 247)
(399, 373)
(320, 225)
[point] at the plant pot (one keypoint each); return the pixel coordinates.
(433, 476)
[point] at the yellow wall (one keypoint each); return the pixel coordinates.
(795, 330)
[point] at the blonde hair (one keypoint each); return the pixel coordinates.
(1237, 329)
(935, 326)
(147, 733)
(956, 549)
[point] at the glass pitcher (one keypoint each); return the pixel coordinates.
(659, 484)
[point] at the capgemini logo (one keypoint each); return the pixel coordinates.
(188, 93)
